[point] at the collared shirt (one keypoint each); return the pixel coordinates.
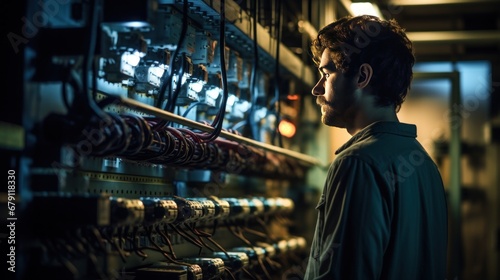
(383, 213)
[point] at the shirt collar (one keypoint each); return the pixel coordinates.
(402, 129)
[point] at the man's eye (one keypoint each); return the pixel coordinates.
(326, 75)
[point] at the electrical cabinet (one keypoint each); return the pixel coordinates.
(145, 142)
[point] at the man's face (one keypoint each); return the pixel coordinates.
(335, 93)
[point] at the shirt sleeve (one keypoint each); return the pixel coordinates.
(356, 232)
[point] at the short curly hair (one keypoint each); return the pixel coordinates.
(368, 39)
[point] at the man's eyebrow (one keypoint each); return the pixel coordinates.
(321, 68)
(329, 66)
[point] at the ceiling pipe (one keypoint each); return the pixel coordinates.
(472, 37)
(436, 2)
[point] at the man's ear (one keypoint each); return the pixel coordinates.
(365, 75)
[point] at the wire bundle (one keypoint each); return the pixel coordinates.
(134, 138)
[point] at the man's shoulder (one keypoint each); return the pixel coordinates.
(382, 149)
(381, 134)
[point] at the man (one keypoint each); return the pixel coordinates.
(382, 214)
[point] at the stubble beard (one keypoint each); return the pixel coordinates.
(328, 116)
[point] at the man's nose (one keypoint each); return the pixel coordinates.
(319, 88)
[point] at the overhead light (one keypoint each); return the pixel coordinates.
(365, 8)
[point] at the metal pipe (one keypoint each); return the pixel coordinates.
(165, 115)
(455, 185)
(455, 176)
(433, 37)
(437, 2)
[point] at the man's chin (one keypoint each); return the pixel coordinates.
(327, 121)
(330, 121)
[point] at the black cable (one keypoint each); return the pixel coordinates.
(200, 236)
(277, 80)
(119, 137)
(172, 97)
(219, 118)
(187, 237)
(65, 89)
(92, 257)
(168, 75)
(191, 107)
(138, 135)
(248, 273)
(52, 248)
(238, 125)
(149, 233)
(184, 151)
(239, 234)
(254, 133)
(118, 247)
(227, 270)
(88, 65)
(172, 100)
(158, 248)
(166, 239)
(199, 149)
(135, 246)
(208, 236)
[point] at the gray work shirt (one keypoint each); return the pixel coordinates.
(383, 213)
